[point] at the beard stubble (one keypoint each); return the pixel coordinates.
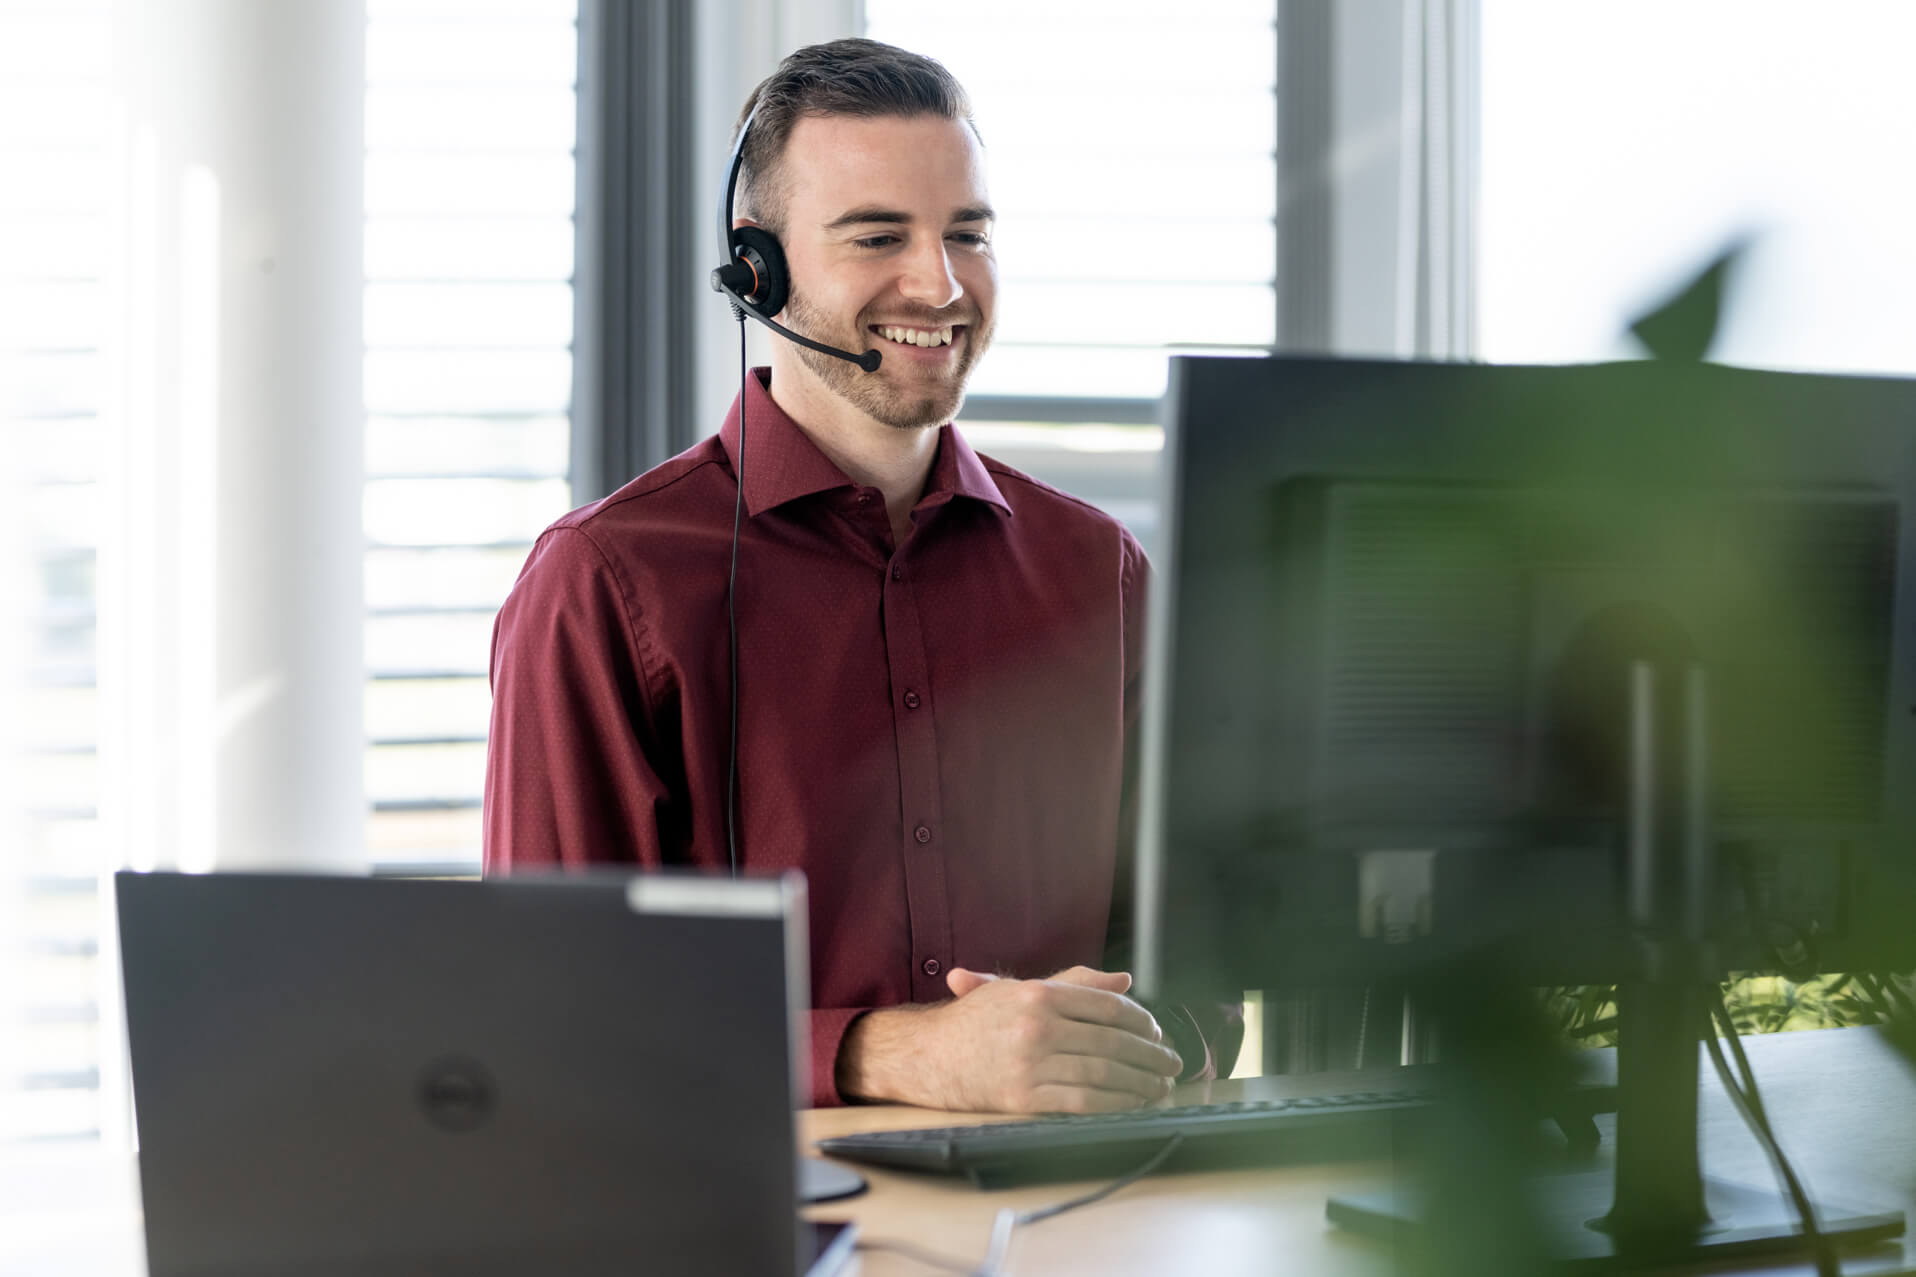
(870, 393)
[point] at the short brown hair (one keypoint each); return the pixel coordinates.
(842, 77)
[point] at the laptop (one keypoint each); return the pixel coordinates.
(565, 1075)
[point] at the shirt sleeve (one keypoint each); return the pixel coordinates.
(571, 776)
(577, 771)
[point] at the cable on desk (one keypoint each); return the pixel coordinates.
(1750, 1105)
(1008, 1220)
(1721, 1012)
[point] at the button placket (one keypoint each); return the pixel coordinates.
(919, 798)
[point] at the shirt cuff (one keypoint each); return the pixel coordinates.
(828, 1034)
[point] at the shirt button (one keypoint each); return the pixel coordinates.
(911, 700)
(922, 834)
(864, 498)
(931, 966)
(897, 573)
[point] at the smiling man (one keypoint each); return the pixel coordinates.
(938, 657)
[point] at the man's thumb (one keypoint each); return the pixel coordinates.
(961, 981)
(1109, 981)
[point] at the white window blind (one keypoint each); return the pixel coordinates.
(1135, 182)
(1130, 150)
(57, 207)
(470, 121)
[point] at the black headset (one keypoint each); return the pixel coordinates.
(754, 274)
(755, 278)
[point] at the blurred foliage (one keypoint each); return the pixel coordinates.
(1587, 1014)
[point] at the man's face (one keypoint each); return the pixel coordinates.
(887, 234)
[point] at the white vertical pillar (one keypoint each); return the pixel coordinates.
(1374, 198)
(235, 580)
(737, 44)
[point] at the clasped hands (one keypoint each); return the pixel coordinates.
(1071, 1043)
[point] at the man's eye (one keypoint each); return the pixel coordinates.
(973, 239)
(876, 241)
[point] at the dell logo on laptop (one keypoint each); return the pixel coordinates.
(456, 1094)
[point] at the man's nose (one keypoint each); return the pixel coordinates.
(928, 276)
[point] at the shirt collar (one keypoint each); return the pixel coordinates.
(786, 465)
(958, 472)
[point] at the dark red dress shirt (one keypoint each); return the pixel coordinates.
(936, 732)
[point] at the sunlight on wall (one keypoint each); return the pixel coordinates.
(1625, 142)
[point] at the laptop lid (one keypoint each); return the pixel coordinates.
(537, 1075)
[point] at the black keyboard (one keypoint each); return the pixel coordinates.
(1294, 1129)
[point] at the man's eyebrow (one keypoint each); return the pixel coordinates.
(873, 214)
(867, 216)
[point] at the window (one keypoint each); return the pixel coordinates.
(1136, 215)
(56, 232)
(1609, 177)
(1134, 181)
(470, 117)
(468, 258)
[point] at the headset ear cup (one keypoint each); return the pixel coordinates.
(761, 249)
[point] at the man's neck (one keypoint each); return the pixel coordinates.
(871, 453)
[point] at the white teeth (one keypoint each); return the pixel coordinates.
(916, 336)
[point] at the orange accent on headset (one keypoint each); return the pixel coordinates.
(747, 259)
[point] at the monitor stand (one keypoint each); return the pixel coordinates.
(1655, 1206)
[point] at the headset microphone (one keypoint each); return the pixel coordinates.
(754, 274)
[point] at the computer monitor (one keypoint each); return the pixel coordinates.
(1543, 675)
(1549, 675)
(1388, 712)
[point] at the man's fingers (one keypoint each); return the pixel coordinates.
(1110, 981)
(1101, 1042)
(1104, 1075)
(1101, 1006)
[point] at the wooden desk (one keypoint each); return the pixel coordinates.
(1844, 1107)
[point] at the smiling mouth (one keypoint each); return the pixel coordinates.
(924, 338)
